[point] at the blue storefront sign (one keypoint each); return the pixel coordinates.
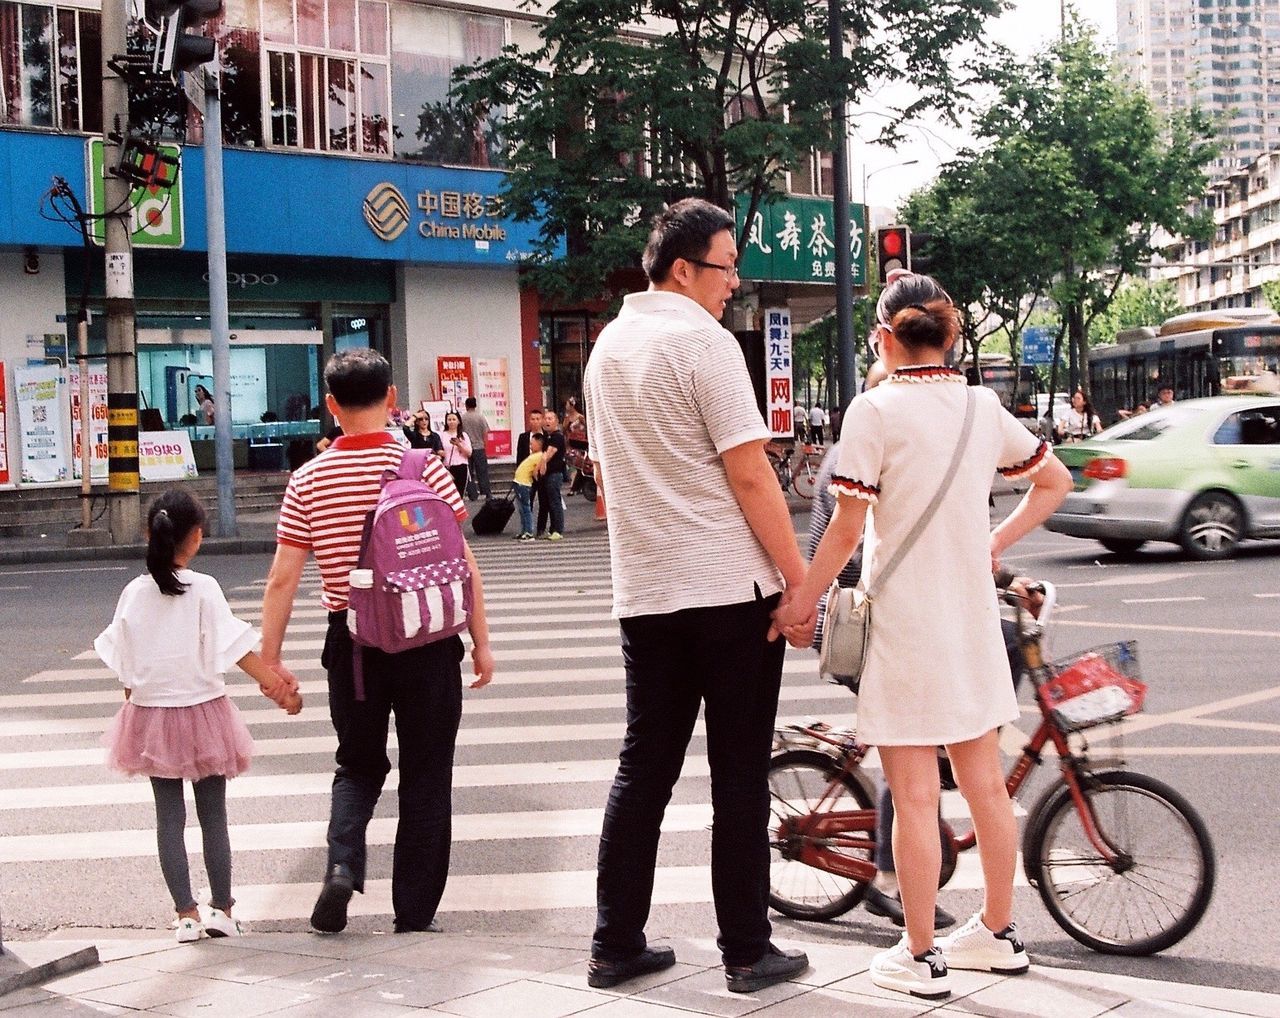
(293, 204)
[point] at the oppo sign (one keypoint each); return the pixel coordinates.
(245, 280)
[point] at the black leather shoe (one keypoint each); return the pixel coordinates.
(777, 966)
(889, 907)
(330, 913)
(603, 974)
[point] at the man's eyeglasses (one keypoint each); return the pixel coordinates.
(730, 271)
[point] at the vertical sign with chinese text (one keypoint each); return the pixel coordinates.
(791, 239)
(493, 401)
(777, 371)
(97, 420)
(454, 374)
(44, 445)
(4, 429)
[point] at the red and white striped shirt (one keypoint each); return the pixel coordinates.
(328, 498)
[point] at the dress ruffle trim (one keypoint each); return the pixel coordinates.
(848, 486)
(1029, 465)
(926, 373)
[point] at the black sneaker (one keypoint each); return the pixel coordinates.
(602, 974)
(777, 966)
(889, 906)
(330, 913)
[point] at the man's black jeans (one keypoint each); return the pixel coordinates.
(424, 688)
(719, 657)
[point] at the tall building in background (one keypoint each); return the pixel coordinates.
(1222, 56)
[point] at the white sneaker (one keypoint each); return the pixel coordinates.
(922, 975)
(976, 948)
(189, 930)
(219, 924)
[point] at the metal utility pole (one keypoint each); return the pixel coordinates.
(846, 349)
(123, 502)
(219, 316)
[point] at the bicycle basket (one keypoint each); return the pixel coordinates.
(1097, 687)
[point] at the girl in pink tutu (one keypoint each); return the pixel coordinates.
(171, 641)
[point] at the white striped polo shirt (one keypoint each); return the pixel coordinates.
(327, 499)
(667, 392)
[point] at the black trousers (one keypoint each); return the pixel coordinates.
(423, 687)
(718, 657)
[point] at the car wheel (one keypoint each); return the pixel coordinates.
(1121, 546)
(1212, 526)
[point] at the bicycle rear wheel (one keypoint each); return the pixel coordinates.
(800, 781)
(805, 480)
(1157, 889)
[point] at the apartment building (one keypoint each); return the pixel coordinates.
(1222, 56)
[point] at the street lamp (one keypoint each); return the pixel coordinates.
(879, 169)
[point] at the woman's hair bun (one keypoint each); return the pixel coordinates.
(932, 324)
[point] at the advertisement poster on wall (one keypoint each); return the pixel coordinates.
(493, 401)
(454, 374)
(97, 419)
(4, 428)
(777, 371)
(44, 440)
(165, 456)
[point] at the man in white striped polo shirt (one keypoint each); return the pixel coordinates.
(324, 510)
(701, 544)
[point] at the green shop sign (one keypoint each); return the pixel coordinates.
(792, 239)
(156, 211)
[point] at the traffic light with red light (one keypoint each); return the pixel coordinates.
(893, 250)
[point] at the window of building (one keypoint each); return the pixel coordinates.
(50, 67)
(328, 75)
(427, 45)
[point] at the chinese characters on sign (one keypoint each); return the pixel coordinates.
(165, 456)
(466, 207)
(97, 420)
(791, 239)
(492, 401)
(454, 374)
(777, 371)
(40, 420)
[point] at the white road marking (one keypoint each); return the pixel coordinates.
(1159, 600)
(1148, 627)
(78, 569)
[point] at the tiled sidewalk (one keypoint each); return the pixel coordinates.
(302, 975)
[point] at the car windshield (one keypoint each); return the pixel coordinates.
(1152, 424)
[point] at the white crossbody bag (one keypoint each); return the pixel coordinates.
(847, 626)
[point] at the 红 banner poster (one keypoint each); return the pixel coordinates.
(97, 420)
(493, 401)
(454, 374)
(44, 440)
(4, 429)
(777, 372)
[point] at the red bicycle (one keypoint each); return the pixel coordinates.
(1123, 862)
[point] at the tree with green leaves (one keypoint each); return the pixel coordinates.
(1271, 294)
(1135, 304)
(606, 124)
(1097, 169)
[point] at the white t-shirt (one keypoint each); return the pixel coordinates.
(677, 536)
(172, 651)
(816, 417)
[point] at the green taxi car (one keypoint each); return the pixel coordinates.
(1204, 473)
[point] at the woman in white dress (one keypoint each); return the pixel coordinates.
(936, 672)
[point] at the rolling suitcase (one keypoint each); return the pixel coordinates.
(493, 515)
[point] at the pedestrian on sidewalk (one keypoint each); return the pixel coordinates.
(551, 480)
(457, 450)
(171, 640)
(936, 671)
(534, 416)
(700, 543)
(324, 509)
(476, 427)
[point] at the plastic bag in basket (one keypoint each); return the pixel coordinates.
(1094, 688)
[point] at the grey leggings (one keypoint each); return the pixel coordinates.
(171, 821)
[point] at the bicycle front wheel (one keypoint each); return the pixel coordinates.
(805, 480)
(800, 782)
(1153, 893)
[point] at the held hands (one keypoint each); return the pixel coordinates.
(482, 666)
(284, 692)
(794, 621)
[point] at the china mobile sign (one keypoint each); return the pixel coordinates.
(777, 373)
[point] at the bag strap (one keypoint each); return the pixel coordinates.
(927, 515)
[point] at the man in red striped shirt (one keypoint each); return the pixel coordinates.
(324, 510)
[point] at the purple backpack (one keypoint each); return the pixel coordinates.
(411, 585)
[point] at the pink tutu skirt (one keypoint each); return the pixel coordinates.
(179, 742)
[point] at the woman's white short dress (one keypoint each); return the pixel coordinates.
(936, 672)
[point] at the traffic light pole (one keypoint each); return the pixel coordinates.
(846, 349)
(124, 510)
(219, 316)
